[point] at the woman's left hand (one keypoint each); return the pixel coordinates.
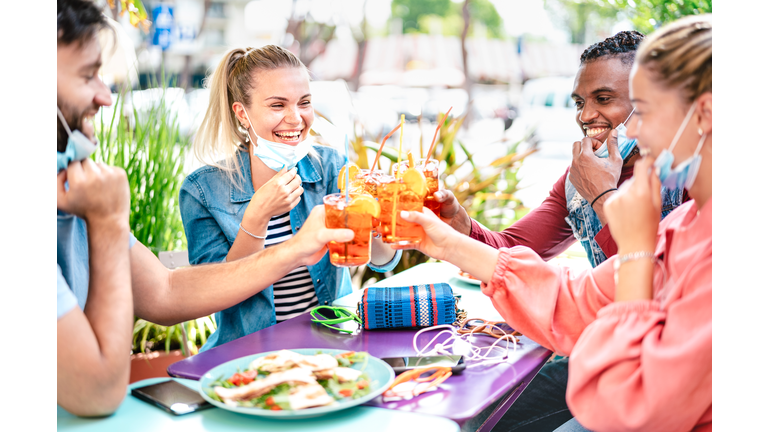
(635, 210)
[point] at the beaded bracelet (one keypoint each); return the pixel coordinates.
(252, 235)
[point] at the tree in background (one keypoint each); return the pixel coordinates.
(420, 16)
(306, 37)
(645, 15)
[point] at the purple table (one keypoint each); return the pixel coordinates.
(460, 398)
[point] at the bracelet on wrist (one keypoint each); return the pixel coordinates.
(598, 197)
(252, 235)
(632, 256)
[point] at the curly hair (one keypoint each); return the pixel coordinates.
(623, 44)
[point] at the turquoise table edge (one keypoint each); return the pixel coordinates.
(134, 414)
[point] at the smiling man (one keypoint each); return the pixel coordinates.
(104, 276)
(574, 208)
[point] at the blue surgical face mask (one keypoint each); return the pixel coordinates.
(625, 144)
(79, 147)
(278, 155)
(684, 174)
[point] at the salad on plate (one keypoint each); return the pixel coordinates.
(287, 380)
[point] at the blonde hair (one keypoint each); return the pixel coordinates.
(220, 134)
(680, 55)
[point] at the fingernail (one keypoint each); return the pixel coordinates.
(404, 214)
(614, 133)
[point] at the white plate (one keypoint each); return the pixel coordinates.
(466, 279)
(381, 374)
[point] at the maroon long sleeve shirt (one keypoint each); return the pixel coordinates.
(544, 229)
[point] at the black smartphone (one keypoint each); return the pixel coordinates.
(402, 364)
(171, 396)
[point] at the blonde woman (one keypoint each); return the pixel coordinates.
(638, 328)
(262, 190)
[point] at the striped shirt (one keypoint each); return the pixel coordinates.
(294, 293)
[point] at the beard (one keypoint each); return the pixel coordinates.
(74, 121)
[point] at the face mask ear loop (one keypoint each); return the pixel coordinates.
(250, 125)
(630, 115)
(701, 144)
(681, 128)
(63, 122)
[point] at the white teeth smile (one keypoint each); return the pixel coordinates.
(288, 135)
(595, 131)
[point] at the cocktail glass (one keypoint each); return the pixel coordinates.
(401, 194)
(431, 173)
(357, 215)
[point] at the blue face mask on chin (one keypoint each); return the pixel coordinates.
(625, 144)
(684, 174)
(276, 155)
(79, 147)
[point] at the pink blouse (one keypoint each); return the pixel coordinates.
(641, 365)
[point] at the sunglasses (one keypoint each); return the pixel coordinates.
(330, 315)
(497, 329)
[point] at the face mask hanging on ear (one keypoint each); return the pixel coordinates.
(79, 147)
(278, 155)
(684, 174)
(625, 144)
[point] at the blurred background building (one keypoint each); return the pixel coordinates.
(509, 64)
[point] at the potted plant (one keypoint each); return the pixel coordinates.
(146, 143)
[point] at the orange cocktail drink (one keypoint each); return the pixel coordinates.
(357, 215)
(396, 195)
(431, 173)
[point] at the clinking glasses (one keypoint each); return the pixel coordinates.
(330, 315)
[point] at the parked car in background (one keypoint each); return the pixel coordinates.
(546, 106)
(546, 109)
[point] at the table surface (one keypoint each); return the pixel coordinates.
(134, 414)
(459, 398)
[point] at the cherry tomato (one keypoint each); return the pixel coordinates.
(239, 379)
(362, 384)
(346, 392)
(275, 408)
(270, 401)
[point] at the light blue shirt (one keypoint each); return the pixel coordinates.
(212, 208)
(72, 271)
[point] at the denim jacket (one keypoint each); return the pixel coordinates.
(212, 208)
(585, 223)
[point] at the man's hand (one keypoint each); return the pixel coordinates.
(97, 192)
(635, 210)
(310, 243)
(592, 175)
(452, 213)
(440, 238)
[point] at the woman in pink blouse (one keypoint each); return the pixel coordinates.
(637, 328)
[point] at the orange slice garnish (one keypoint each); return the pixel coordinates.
(353, 170)
(415, 181)
(365, 204)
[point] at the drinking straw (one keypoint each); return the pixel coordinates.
(434, 139)
(346, 166)
(398, 176)
(376, 159)
(346, 192)
(400, 151)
